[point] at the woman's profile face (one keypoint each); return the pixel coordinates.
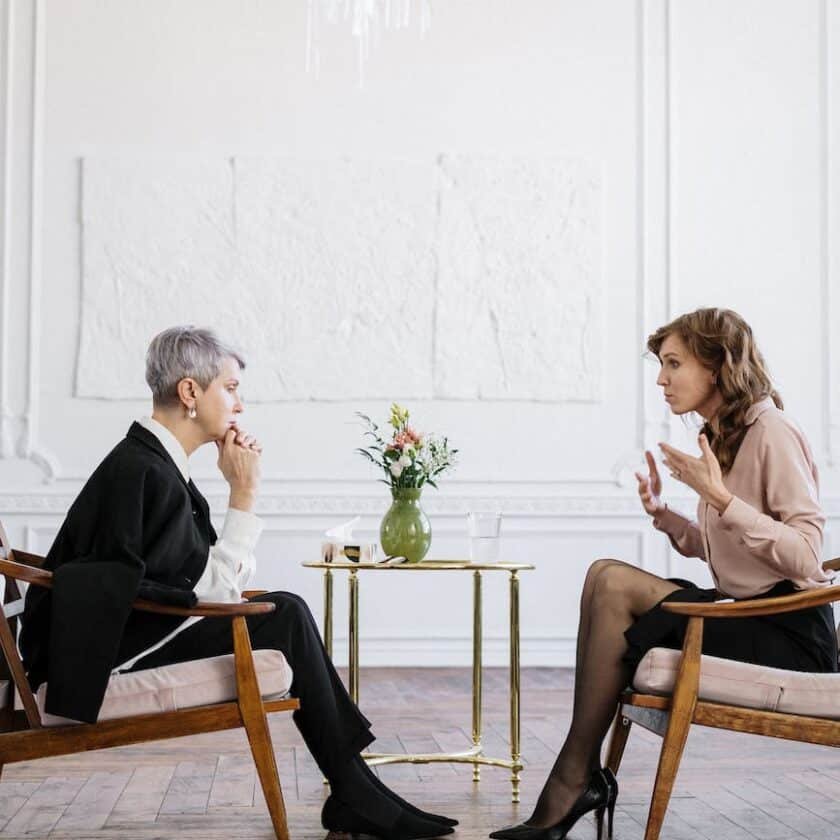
(219, 405)
(685, 382)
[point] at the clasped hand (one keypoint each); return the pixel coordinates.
(703, 475)
(239, 460)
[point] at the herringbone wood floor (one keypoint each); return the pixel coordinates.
(731, 787)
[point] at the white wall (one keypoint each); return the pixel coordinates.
(683, 154)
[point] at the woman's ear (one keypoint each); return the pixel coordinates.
(187, 393)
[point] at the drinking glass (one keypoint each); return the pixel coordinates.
(484, 527)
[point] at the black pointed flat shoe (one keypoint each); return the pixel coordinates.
(404, 803)
(338, 816)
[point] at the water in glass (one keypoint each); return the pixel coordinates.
(484, 536)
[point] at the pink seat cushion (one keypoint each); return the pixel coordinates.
(200, 682)
(742, 684)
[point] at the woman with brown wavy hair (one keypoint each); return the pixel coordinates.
(759, 527)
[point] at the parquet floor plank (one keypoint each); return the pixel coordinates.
(93, 803)
(142, 797)
(44, 808)
(702, 817)
(235, 779)
(746, 815)
(189, 789)
(675, 827)
(13, 796)
(785, 809)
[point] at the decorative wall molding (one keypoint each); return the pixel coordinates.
(22, 138)
(575, 507)
(6, 21)
(829, 35)
(654, 291)
(31, 449)
(615, 479)
(283, 504)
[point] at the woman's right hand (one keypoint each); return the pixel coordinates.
(650, 488)
(240, 466)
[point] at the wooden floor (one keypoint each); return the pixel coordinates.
(731, 786)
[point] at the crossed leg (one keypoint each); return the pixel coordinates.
(614, 595)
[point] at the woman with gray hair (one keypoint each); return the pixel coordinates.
(140, 528)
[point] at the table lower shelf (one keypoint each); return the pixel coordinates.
(472, 756)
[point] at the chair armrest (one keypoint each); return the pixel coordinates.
(27, 558)
(205, 608)
(758, 606)
(832, 565)
(40, 577)
(30, 574)
(253, 593)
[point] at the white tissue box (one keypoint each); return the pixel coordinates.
(339, 552)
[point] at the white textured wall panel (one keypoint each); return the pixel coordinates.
(519, 291)
(347, 279)
(157, 250)
(337, 262)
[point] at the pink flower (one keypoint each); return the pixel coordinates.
(407, 437)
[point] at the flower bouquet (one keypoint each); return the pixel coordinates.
(409, 460)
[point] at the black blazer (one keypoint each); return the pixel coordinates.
(136, 530)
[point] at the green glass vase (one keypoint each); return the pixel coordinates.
(405, 528)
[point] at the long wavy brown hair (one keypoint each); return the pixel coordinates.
(723, 343)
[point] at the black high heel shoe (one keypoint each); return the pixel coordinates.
(595, 797)
(612, 794)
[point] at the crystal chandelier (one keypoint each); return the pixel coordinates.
(367, 20)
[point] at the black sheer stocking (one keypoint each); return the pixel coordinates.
(614, 594)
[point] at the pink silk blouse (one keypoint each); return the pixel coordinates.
(772, 530)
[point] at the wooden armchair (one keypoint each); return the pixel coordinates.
(24, 735)
(692, 702)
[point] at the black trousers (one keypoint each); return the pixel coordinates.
(331, 725)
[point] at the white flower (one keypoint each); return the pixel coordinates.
(396, 468)
(404, 461)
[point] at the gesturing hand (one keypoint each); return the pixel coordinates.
(650, 488)
(703, 474)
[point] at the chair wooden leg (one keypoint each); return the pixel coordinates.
(682, 711)
(618, 740)
(256, 725)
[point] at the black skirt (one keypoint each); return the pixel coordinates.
(804, 640)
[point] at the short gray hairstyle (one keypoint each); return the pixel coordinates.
(185, 352)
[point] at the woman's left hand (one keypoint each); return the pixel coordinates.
(247, 441)
(703, 474)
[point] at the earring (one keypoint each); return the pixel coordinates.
(191, 413)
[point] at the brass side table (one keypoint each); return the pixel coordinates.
(475, 755)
